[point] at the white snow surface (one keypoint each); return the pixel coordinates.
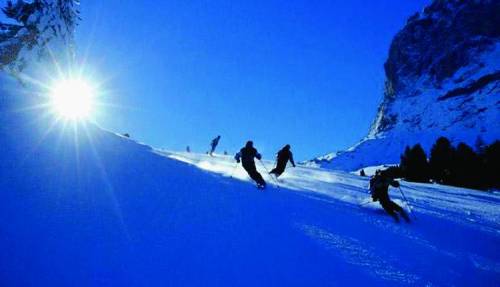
(352, 189)
(371, 170)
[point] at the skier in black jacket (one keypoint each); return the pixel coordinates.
(246, 155)
(379, 189)
(283, 156)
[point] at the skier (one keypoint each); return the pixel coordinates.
(247, 155)
(282, 158)
(188, 149)
(379, 189)
(213, 145)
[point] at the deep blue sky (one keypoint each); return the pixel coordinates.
(177, 73)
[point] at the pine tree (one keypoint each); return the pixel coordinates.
(20, 11)
(405, 158)
(491, 163)
(441, 160)
(414, 164)
(41, 26)
(467, 168)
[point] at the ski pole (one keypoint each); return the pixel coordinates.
(365, 202)
(409, 187)
(407, 202)
(265, 168)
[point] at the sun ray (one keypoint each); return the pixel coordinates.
(41, 138)
(109, 187)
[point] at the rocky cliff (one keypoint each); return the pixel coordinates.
(442, 79)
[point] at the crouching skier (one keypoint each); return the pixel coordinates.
(283, 156)
(247, 155)
(379, 189)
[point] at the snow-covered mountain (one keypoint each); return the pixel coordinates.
(442, 79)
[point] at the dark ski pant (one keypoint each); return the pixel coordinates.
(279, 169)
(212, 149)
(391, 208)
(254, 174)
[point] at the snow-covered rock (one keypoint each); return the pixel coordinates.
(442, 79)
(40, 42)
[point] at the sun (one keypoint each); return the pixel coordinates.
(72, 99)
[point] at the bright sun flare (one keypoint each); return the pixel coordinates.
(72, 99)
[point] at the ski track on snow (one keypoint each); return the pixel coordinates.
(356, 253)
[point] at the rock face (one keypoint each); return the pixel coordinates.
(442, 79)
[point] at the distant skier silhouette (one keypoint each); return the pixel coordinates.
(188, 149)
(247, 155)
(282, 158)
(213, 145)
(379, 189)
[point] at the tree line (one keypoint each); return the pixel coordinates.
(459, 165)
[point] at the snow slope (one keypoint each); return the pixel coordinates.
(460, 205)
(84, 207)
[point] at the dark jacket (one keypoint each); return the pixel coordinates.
(285, 155)
(379, 187)
(247, 155)
(215, 142)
